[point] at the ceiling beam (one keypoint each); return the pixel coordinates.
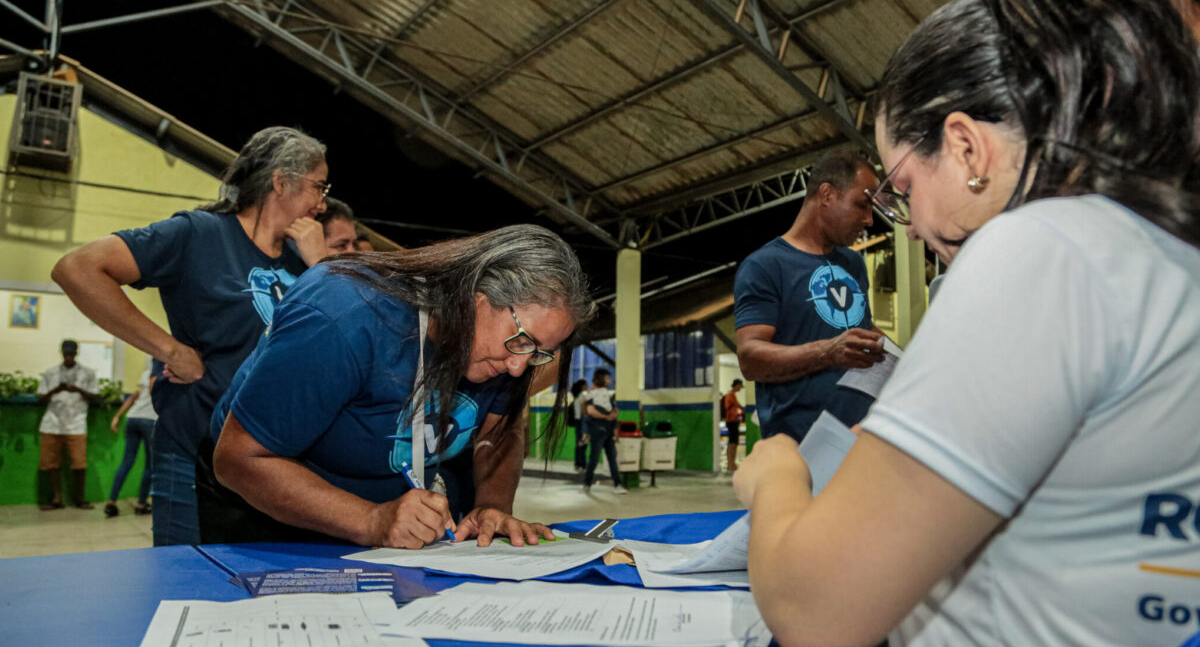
(842, 122)
(553, 38)
(426, 108)
(143, 15)
(399, 33)
(724, 208)
(805, 43)
(39, 25)
(757, 133)
(736, 179)
(667, 80)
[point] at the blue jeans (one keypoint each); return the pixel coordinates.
(138, 431)
(175, 517)
(602, 440)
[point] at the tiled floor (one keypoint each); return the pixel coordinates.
(25, 530)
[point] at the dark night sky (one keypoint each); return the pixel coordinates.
(209, 73)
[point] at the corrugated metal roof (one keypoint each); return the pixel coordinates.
(634, 99)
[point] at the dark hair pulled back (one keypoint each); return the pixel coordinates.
(1105, 93)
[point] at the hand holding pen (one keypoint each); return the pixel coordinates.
(417, 518)
(416, 484)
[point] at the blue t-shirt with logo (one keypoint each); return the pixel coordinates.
(806, 297)
(219, 291)
(329, 384)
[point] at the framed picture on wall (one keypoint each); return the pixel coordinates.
(23, 311)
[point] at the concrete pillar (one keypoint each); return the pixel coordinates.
(629, 339)
(910, 285)
(629, 331)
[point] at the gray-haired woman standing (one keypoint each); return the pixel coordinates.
(220, 270)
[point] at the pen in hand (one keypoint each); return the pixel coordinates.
(413, 483)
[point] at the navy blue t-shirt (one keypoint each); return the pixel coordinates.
(806, 297)
(219, 291)
(330, 382)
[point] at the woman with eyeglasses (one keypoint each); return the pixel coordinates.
(220, 270)
(1030, 474)
(315, 436)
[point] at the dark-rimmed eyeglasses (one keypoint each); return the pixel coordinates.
(890, 203)
(523, 344)
(321, 186)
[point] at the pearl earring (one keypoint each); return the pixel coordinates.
(977, 183)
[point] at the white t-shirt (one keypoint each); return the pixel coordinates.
(600, 397)
(143, 407)
(1057, 382)
(66, 414)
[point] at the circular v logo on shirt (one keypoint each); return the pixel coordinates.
(463, 422)
(267, 287)
(837, 297)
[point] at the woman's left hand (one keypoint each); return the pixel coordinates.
(774, 458)
(485, 523)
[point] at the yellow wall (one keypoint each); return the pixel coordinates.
(41, 220)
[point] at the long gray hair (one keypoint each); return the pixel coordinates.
(512, 266)
(250, 178)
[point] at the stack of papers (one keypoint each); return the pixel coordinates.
(500, 561)
(543, 613)
(314, 620)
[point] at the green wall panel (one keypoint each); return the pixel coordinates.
(19, 444)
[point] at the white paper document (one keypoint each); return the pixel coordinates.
(544, 613)
(657, 565)
(824, 448)
(871, 380)
(500, 561)
(308, 619)
(727, 552)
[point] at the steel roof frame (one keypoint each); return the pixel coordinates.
(496, 149)
(419, 103)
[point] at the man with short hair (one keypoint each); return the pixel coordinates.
(66, 390)
(363, 242)
(338, 225)
(800, 301)
(734, 414)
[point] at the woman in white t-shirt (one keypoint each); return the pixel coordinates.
(139, 430)
(1030, 475)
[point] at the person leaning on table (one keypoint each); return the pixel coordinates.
(1035, 457)
(313, 434)
(219, 269)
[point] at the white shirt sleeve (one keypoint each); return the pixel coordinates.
(44, 385)
(1004, 368)
(90, 383)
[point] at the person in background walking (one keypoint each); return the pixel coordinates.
(139, 430)
(734, 414)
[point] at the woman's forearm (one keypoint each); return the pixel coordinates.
(288, 491)
(86, 275)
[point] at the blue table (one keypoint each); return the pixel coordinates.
(105, 598)
(108, 598)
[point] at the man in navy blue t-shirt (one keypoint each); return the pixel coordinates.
(800, 301)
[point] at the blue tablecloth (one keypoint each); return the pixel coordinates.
(108, 598)
(105, 598)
